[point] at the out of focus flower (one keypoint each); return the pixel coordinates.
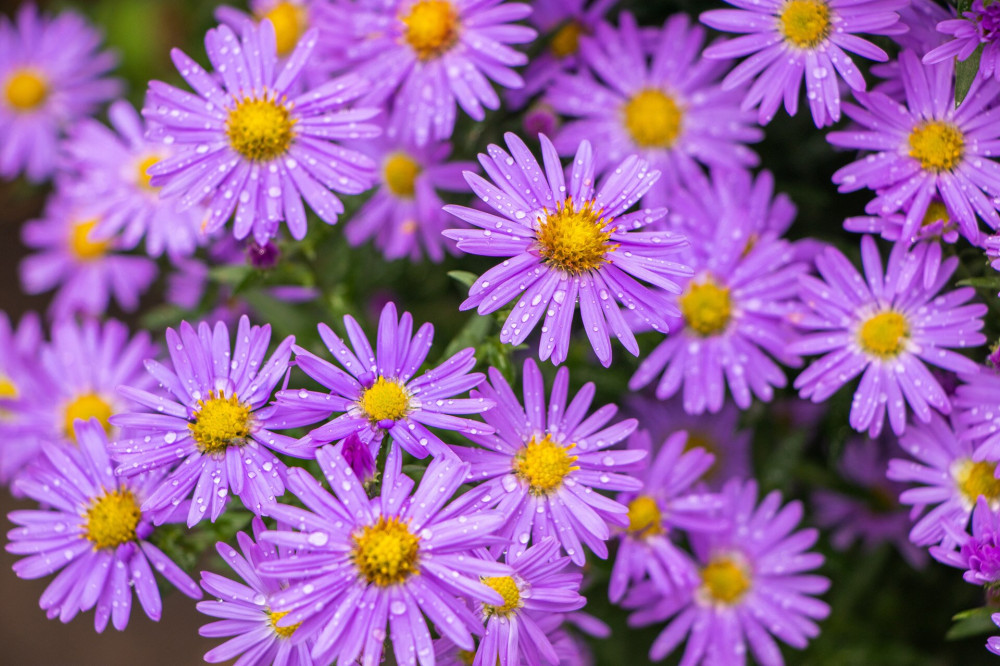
(977, 27)
(976, 416)
(19, 347)
(977, 553)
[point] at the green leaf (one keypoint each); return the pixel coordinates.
(975, 622)
(965, 74)
(985, 282)
(464, 277)
(474, 332)
(232, 275)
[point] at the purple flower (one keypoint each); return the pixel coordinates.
(562, 242)
(256, 145)
(362, 563)
(886, 326)
(921, 17)
(18, 350)
(667, 106)
(103, 556)
(289, 18)
(976, 416)
(937, 225)
(993, 643)
(541, 467)
(926, 149)
(51, 75)
(380, 393)
(210, 424)
(753, 584)
(794, 39)
(978, 553)
(978, 27)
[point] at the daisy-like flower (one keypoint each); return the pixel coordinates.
(541, 467)
(753, 586)
(977, 553)
(248, 141)
(244, 611)
(51, 75)
(381, 393)
(566, 242)
(887, 326)
(18, 350)
(926, 149)
(290, 19)
(85, 271)
(361, 564)
(976, 414)
(210, 424)
(668, 502)
(95, 532)
(666, 106)
(977, 27)
(936, 225)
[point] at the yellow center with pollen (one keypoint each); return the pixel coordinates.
(386, 400)
(386, 553)
(7, 387)
(220, 422)
(977, 479)
(111, 519)
(506, 588)
(575, 241)
(260, 129)
(81, 245)
(544, 464)
(937, 145)
(143, 178)
(644, 517)
(26, 90)
(289, 21)
(86, 407)
(724, 580)
(805, 23)
(566, 41)
(431, 28)
(884, 335)
(282, 632)
(467, 657)
(936, 212)
(653, 118)
(706, 307)
(400, 175)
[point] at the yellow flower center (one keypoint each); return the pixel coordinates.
(400, 173)
(936, 211)
(805, 23)
(283, 632)
(80, 244)
(885, 334)
(506, 588)
(26, 90)
(706, 307)
(260, 129)
(975, 479)
(86, 407)
(386, 552)
(644, 517)
(143, 178)
(289, 21)
(725, 580)
(544, 464)
(575, 240)
(7, 387)
(566, 41)
(431, 28)
(467, 657)
(386, 400)
(653, 118)
(703, 441)
(937, 145)
(112, 519)
(220, 422)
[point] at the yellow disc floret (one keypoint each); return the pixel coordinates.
(644, 517)
(282, 632)
(506, 587)
(937, 145)
(544, 464)
(26, 90)
(977, 479)
(805, 23)
(885, 334)
(220, 422)
(260, 129)
(7, 387)
(386, 553)
(724, 580)
(574, 241)
(400, 175)
(566, 41)
(706, 307)
(86, 406)
(386, 400)
(143, 178)
(431, 28)
(289, 21)
(111, 519)
(81, 245)
(653, 118)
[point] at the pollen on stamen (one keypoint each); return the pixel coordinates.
(653, 118)
(573, 239)
(977, 479)
(884, 335)
(220, 422)
(724, 581)
(385, 400)
(706, 307)
(544, 464)
(260, 128)
(507, 588)
(112, 519)
(805, 23)
(386, 553)
(431, 28)
(937, 145)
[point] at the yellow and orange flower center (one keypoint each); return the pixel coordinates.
(386, 553)
(977, 479)
(937, 145)
(111, 519)
(706, 307)
(644, 517)
(805, 23)
(26, 90)
(81, 245)
(85, 407)
(400, 175)
(574, 240)
(653, 119)
(467, 657)
(506, 587)
(220, 422)
(566, 41)
(385, 400)
(7, 387)
(260, 129)
(143, 178)
(724, 580)
(431, 28)
(544, 464)
(289, 21)
(884, 335)
(282, 632)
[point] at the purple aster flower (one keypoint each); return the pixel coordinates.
(290, 19)
(95, 532)
(794, 39)
(361, 564)
(926, 149)
(244, 608)
(753, 585)
(976, 412)
(993, 643)
(667, 503)
(51, 75)
(85, 271)
(381, 393)
(210, 424)
(979, 553)
(936, 225)
(975, 28)
(540, 468)
(567, 244)
(256, 145)
(921, 18)
(886, 326)
(666, 106)
(18, 350)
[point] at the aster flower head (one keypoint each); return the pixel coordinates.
(94, 531)
(977, 27)
(792, 40)
(379, 391)
(210, 424)
(564, 242)
(51, 75)
(885, 326)
(977, 553)
(976, 414)
(18, 350)
(541, 466)
(249, 141)
(361, 564)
